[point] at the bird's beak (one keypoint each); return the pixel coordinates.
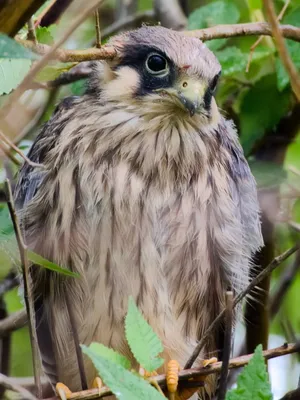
(191, 92)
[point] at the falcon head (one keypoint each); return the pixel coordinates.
(163, 72)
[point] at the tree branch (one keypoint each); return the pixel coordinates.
(282, 49)
(13, 322)
(28, 296)
(10, 384)
(186, 374)
(216, 32)
(274, 264)
(15, 13)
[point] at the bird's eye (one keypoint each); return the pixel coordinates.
(214, 82)
(156, 64)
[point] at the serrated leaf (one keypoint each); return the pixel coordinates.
(261, 109)
(9, 48)
(109, 354)
(143, 341)
(293, 18)
(37, 259)
(233, 60)
(215, 13)
(44, 35)
(253, 382)
(124, 384)
(51, 72)
(12, 73)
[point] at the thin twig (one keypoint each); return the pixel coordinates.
(13, 322)
(227, 346)
(186, 374)
(31, 35)
(247, 29)
(97, 28)
(282, 49)
(253, 47)
(283, 285)
(216, 32)
(28, 296)
(274, 264)
(8, 153)
(18, 151)
(76, 343)
(11, 385)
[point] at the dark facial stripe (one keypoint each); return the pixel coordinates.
(135, 57)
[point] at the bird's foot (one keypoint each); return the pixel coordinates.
(97, 383)
(65, 393)
(194, 384)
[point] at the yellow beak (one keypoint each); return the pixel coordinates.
(191, 92)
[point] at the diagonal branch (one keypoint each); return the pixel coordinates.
(282, 49)
(28, 296)
(274, 264)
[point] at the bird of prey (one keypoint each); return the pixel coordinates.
(145, 192)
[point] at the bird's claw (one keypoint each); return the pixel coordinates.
(97, 383)
(63, 391)
(209, 361)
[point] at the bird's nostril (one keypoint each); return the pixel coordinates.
(184, 84)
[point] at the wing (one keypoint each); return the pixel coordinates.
(28, 184)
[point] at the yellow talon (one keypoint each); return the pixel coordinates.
(63, 391)
(173, 368)
(209, 361)
(146, 374)
(97, 384)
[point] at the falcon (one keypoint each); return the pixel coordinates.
(145, 192)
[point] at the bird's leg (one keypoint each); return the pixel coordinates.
(173, 369)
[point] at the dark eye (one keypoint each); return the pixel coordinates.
(214, 82)
(156, 64)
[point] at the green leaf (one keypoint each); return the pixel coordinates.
(232, 60)
(293, 18)
(144, 343)
(255, 4)
(44, 35)
(267, 174)
(253, 383)
(261, 109)
(51, 72)
(6, 225)
(109, 354)
(9, 48)
(218, 12)
(12, 73)
(37, 259)
(124, 384)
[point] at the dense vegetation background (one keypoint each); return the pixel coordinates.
(256, 95)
